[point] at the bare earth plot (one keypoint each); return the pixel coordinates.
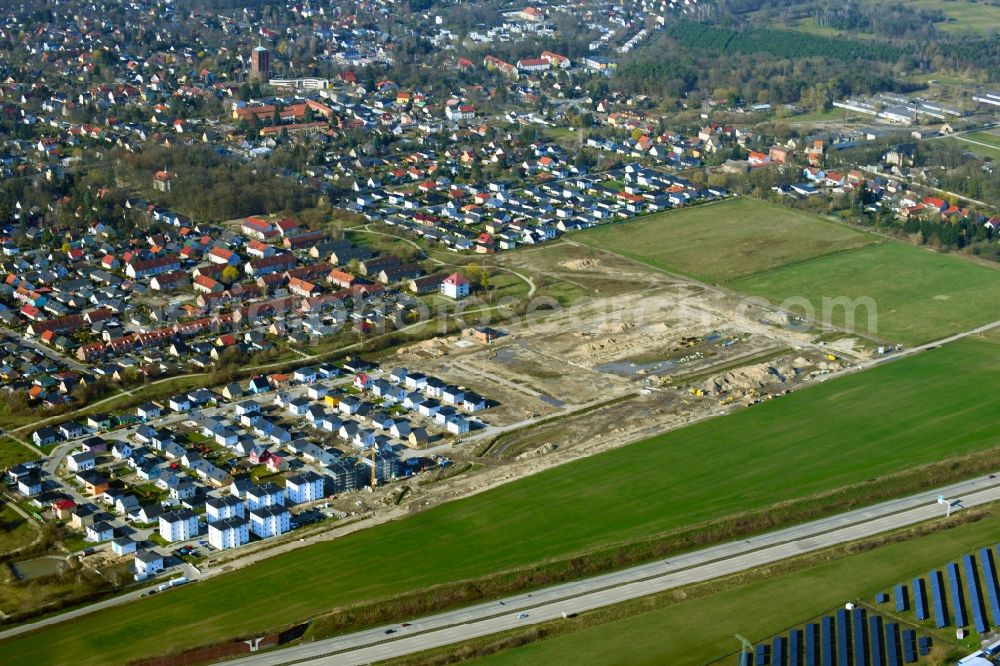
(723, 241)
(643, 343)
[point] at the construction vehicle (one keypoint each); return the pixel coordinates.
(831, 357)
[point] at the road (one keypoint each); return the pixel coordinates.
(576, 597)
(48, 352)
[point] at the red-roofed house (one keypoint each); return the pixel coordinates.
(455, 286)
(221, 255)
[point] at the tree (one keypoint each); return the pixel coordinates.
(230, 274)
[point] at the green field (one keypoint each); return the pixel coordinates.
(855, 428)
(984, 144)
(963, 15)
(701, 629)
(13, 452)
(724, 241)
(920, 295)
(15, 531)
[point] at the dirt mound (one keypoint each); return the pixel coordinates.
(548, 447)
(616, 326)
(580, 264)
(751, 379)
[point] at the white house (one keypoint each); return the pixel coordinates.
(81, 462)
(123, 546)
(456, 425)
(229, 532)
(148, 411)
(316, 391)
(349, 405)
(305, 487)
(451, 395)
(269, 521)
(179, 525)
(148, 563)
(304, 376)
(224, 508)
(400, 428)
(179, 403)
(100, 531)
(298, 406)
(121, 450)
(247, 407)
(455, 286)
(266, 494)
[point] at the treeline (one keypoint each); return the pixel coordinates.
(778, 43)
(879, 19)
(668, 69)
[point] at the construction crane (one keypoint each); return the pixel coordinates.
(374, 452)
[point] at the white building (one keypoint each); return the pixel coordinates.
(224, 508)
(305, 487)
(269, 521)
(148, 563)
(266, 494)
(229, 533)
(180, 525)
(455, 286)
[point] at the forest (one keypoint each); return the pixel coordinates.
(213, 187)
(778, 43)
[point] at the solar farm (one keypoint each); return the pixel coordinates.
(963, 595)
(849, 636)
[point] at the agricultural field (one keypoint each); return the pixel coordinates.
(696, 625)
(724, 241)
(850, 430)
(919, 295)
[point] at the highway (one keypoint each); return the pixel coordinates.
(579, 596)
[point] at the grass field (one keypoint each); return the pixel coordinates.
(831, 114)
(963, 15)
(842, 432)
(984, 144)
(724, 241)
(13, 452)
(15, 531)
(920, 295)
(701, 629)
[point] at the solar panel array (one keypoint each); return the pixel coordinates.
(972, 595)
(846, 638)
(857, 638)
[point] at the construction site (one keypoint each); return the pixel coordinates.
(632, 353)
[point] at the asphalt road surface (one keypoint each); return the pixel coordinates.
(550, 603)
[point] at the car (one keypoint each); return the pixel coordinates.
(521, 616)
(405, 624)
(390, 631)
